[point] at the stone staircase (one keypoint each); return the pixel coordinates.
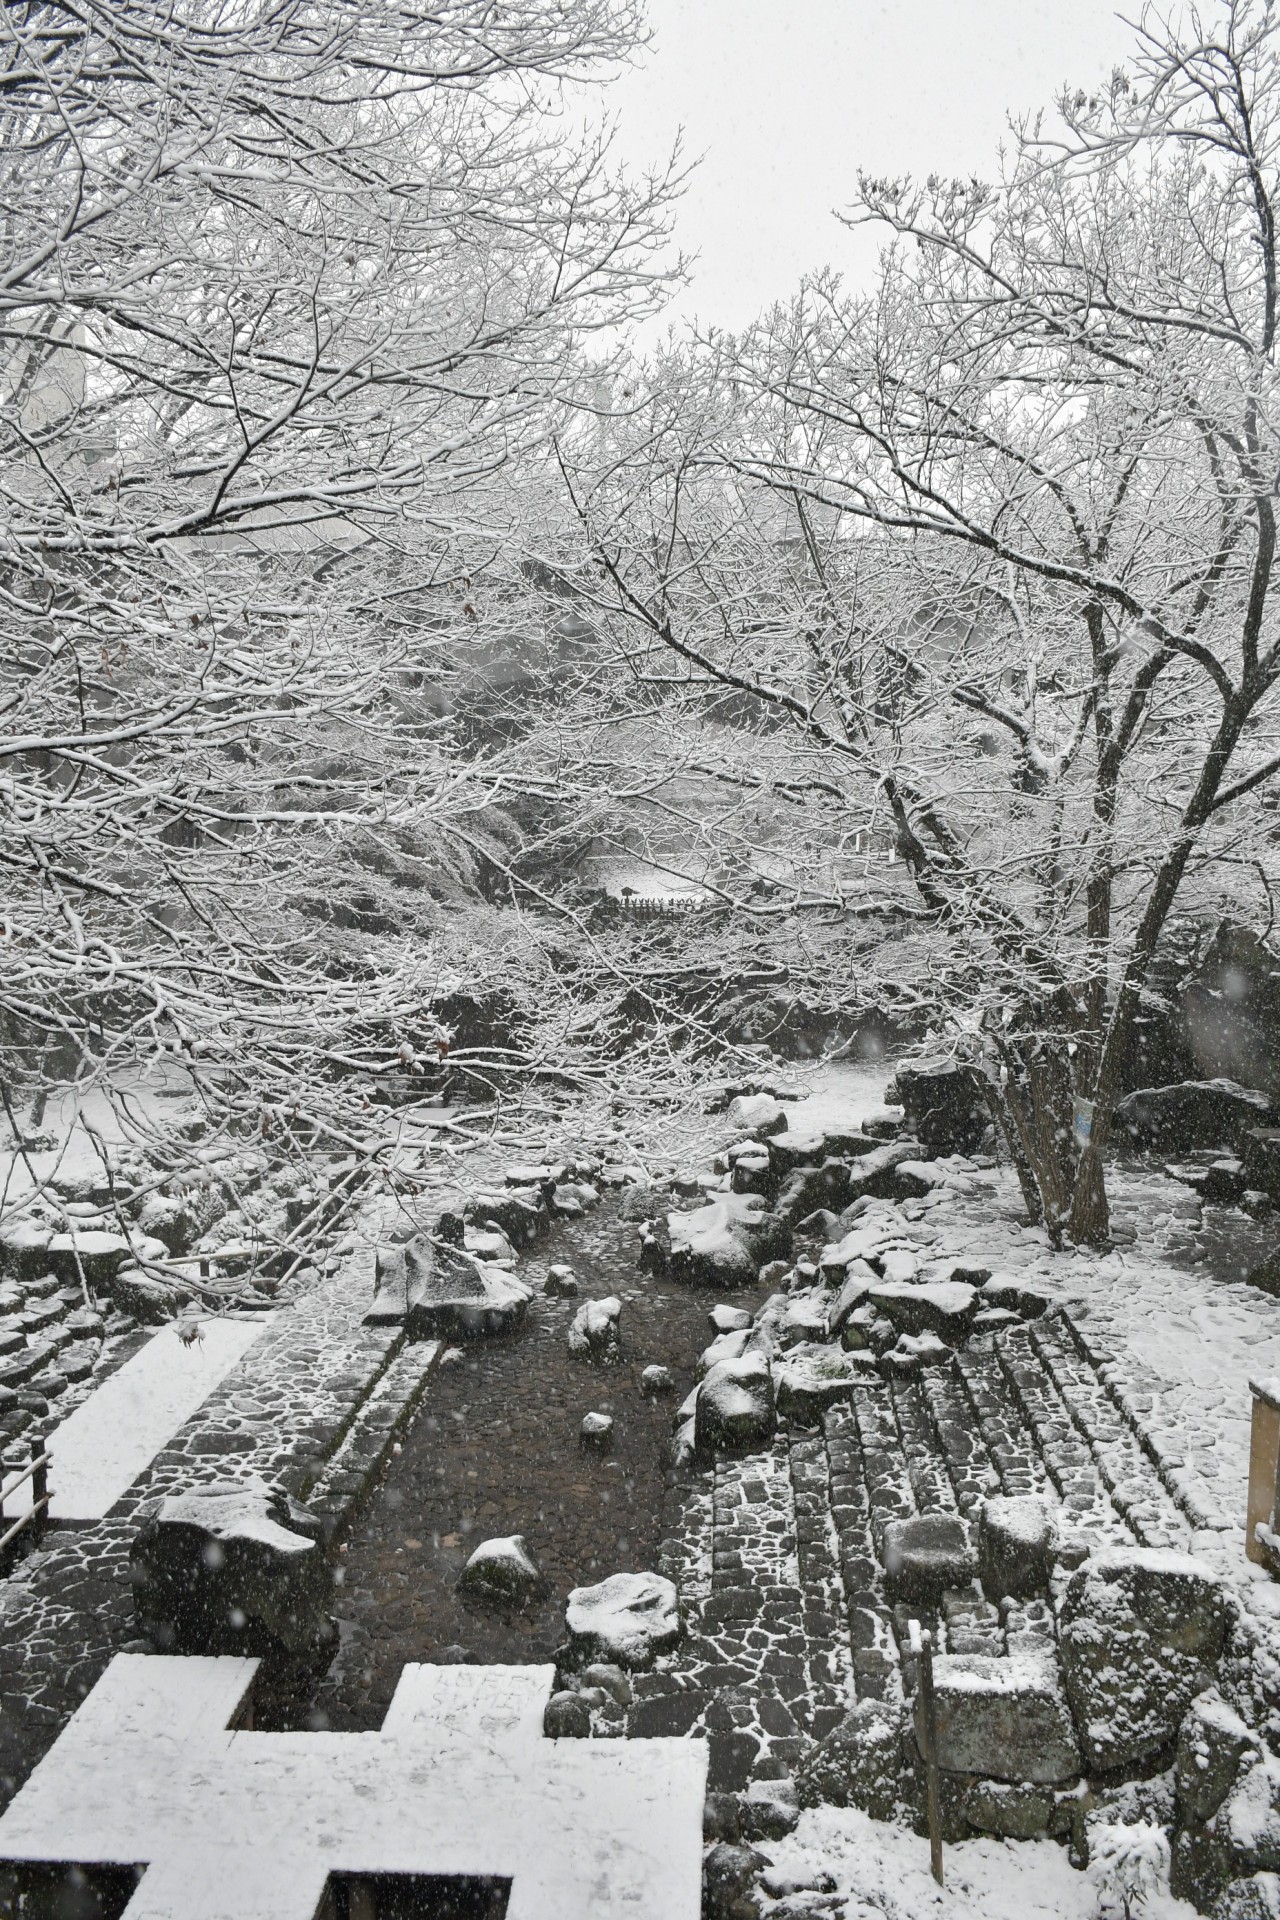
(779, 1554)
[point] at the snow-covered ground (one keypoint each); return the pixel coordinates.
(881, 1872)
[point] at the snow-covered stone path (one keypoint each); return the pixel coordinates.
(98, 1451)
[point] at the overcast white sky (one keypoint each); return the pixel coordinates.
(786, 99)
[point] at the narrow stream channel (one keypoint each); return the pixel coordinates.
(494, 1450)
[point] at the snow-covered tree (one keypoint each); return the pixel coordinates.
(287, 292)
(997, 545)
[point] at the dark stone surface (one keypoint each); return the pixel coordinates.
(1141, 1634)
(943, 1105)
(925, 1555)
(1191, 1114)
(235, 1567)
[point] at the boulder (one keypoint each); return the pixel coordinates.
(1015, 1547)
(804, 1317)
(1141, 1633)
(758, 1114)
(520, 1213)
(858, 1282)
(1213, 1742)
(729, 1876)
(768, 1809)
(729, 1319)
(595, 1435)
(235, 1567)
(440, 1289)
(1255, 1898)
(1013, 1810)
(1002, 1717)
(810, 1147)
(656, 1380)
(1240, 1841)
(24, 1247)
(626, 1619)
(1192, 1114)
(1260, 1156)
(167, 1218)
(734, 1411)
(875, 1174)
(943, 1307)
(910, 1353)
(725, 1242)
(609, 1679)
(503, 1572)
(561, 1283)
(596, 1332)
(151, 1302)
(725, 1346)
(857, 1764)
(925, 1555)
(811, 1378)
(943, 1105)
(566, 1717)
(807, 1190)
(100, 1254)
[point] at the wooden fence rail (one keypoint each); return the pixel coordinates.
(37, 1472)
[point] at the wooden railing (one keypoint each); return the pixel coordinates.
(38, 1474)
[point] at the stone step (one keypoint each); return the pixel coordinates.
(1134, 1487)
(1011, 1449)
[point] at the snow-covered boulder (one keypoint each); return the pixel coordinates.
(1142, 1631)
(561, 1283)
(96, 1251)
(520, 1212)
(1015, 1546)
(150, 1301)
(503, 1572)
(725, 1242)
(729, 1319)
(443, 1289)
(725, 1346)
(657, 1380)
(235, 1567)
(769, 1809)
(858, 1282)
(596, 1332)
(626, 1619)
(758, 1114)
(1002, 1717)
(734, 1408)
(595, 1435)
(944, 1307)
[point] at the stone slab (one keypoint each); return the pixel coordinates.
(237, 1823)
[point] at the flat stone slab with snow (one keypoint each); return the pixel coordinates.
(459, 1782)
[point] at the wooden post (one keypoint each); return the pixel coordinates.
(922, 1648)
(39, 1485)
(1264, 1463)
